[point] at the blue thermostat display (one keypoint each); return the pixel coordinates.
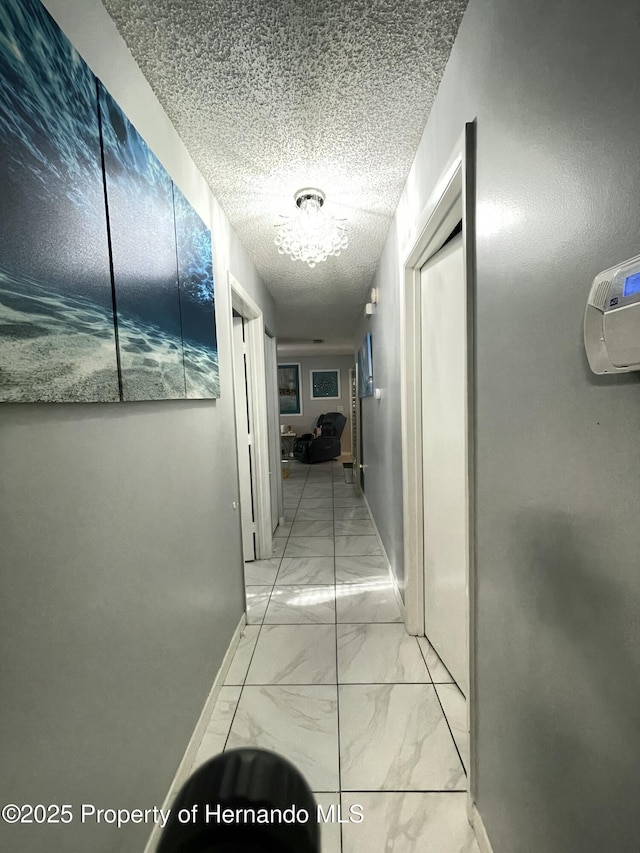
(612, 319)
(631, 284)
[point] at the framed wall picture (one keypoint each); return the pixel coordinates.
(365, 368)
(289, 389)
(325, 384)
(79, 182)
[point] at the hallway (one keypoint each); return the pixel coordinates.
(326, 675)
(121, 549)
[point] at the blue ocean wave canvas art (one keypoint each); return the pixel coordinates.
(143, 249)
(197, 301)
(106, 271)
(57, 337)
(365, 368)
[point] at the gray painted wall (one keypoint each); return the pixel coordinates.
(312, 408)
(120, 559)
(555, 90)
(381, 419)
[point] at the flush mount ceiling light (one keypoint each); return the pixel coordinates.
(310, 235)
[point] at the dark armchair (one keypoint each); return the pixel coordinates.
(321, 448)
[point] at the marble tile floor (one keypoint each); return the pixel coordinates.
(326, 675)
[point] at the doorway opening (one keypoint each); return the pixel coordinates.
(438, 418)
(253, 397)
(444, 457)
(244, 439)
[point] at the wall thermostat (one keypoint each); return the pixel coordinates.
(612, 319)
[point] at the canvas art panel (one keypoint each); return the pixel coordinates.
(325, 384)
(57, 336)
(197, 301)
(143, 247)
(365, 368)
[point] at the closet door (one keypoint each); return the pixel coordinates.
(444, 440)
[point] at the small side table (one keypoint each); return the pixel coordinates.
(287, 440)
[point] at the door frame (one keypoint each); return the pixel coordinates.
(452, 200)
(257, 396)
(356, 443)
(443, 291)
(243, 422)
(273, 418)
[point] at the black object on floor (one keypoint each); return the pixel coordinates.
(243, 786)
(321, 448)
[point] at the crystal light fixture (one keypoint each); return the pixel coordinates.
(310, 235)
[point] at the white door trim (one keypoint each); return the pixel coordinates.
(273, 417)
(257, 396)
(243, 440)
(451, 201)
(356, 412)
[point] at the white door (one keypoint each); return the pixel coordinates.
(444, 438)
(243, 434)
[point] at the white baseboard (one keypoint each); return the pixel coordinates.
(478, 827)
(388, 562)
(184, 768)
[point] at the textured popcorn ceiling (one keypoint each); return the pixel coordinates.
(273, 95)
